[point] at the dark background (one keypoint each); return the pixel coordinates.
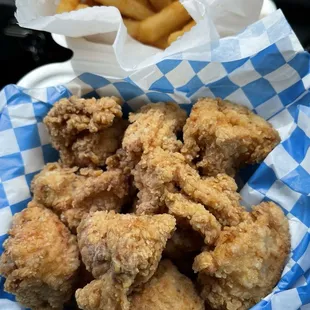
(23, 50)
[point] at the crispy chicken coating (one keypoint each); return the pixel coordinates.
(154, 125)
(218, 194)
(247, 261)
(72, 194)
(85, 131)
(103, 294)
(220, 136)
(128, 245)
(93, 149)
(168, 289)
(161, 171)
(200, 219)
(40, 259)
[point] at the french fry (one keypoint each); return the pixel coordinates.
(162, 43)
(129, 8)
(89, 2)
(67, 6)
(133, 30)
(145, 3)
(132, 27)
(158, 5)
(81, 6)
(174, 35)
(170, 19)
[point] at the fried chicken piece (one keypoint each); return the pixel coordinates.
(200, 219)
(93, 149)
(168, 289)
(71, 194)
(218, 194)
(85, 131)
(221, 136)
(154, 125)
(123, 251)
(40, 259)
(153, 176)
(162, 171)
(129, 245)
(247, 261)
(102, 294)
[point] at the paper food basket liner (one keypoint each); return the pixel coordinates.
(215, 18)
(264, 68)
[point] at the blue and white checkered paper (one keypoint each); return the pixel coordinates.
(273, 80)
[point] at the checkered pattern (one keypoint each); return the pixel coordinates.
(284, 179)
(25, 148)
(264, 69)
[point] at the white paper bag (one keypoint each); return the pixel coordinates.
(215, 18)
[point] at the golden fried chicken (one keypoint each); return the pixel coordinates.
(103, 294)
(200, 219)
(71, 194)
(93, 149)
(247, 261)
(154, 125)
(40, 259)
(168, 289)
(86, 131)
(162, 171)
(220, 136)
(128, 245)
(218, 194)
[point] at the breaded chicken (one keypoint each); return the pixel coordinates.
(247, 261)
(168, 289)
(200, 219)
(40, 259)
(220, 136)
(103, 294)
(162, 171)
(128, 245)
(73, 193)
(93, 149)
(218, 194)
(154, 125)
(85, 131)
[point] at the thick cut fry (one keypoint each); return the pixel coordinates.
(66, 6)
(130, 8)
(82, 6)
(160, 4)
(175, 35)
(161, 43)
(133, 30)
(132, 26)
(145, 3)
(88, 2)
(170, 19)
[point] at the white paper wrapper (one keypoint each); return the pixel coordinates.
(216, 18)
